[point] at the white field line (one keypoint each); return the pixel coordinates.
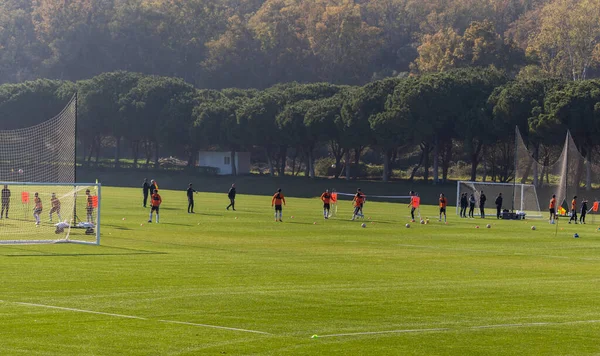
(480, 327)
(134, 317)
(214, 327)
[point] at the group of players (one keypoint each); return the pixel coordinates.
(38, 206)
(583, 211)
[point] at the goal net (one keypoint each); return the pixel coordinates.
(516, 197)
(40, 201)
(34, 213)
(556, 170)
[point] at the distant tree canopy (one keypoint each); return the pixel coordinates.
(259, 43)
(421, 124)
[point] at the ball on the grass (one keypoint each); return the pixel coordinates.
(422, 222)
(576, 235)
(141, 224)
(315, 223)
(533, 228)
(407, 225)
(477, 226)
(363, 225)
(488, 226)
(123, 218)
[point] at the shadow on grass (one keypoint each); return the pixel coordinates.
(125, 252)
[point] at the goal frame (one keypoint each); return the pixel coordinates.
(515, 190)
(68, 239)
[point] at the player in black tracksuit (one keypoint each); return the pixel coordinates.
(498, 203)
(146, 190)
(231, 196)
(190, 195)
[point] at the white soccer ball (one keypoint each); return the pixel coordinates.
(20, 171)
(363, 225)
(533, 228)
(488, 226)
(422, 222)
(407, 225)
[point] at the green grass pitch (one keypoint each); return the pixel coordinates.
(222, 282)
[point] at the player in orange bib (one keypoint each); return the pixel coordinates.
(357, 202)
(326, 199)
(573, 210)
(276, 202)
(414, 204)
(155, 201)
(552, 208)
(443, 204)
(37, 209)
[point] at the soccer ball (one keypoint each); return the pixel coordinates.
(20, 171)
(363, 225)
(422, 222)
(407, 225)
(488, 226)
(533, 228)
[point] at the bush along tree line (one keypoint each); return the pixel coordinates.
(430, 123)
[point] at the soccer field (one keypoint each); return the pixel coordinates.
(224, 282)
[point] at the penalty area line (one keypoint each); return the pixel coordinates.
(134, 317)
(480, 327)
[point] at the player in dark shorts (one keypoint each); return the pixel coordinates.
(190, 195)
(89, 206)
(231, 196)
(5, 201)
(443, 204)
(155, 201)
(277, 200)
(552, 208)
(326, 198)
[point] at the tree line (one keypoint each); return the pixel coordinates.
(258, 43)
(430, 121)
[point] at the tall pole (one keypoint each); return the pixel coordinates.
(75, 136)
(512, 208)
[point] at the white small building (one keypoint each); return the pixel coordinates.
(222, 161)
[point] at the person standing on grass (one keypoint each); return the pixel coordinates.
(472, 206)
(464, 203)
(153, 186)
(552, 208)
(155, 201)
(326, 199)
(89, 206)
(362, 202)
(190, 195)
(231, 196)
(5, 201)
(278, 198)
(145, 190)
(498, 203)
(37, 208)
(443, 204)
(573, 210)
(482, 199)
(584, 208)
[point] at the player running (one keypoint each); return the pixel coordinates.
(443, 204)
(357, 202)
(37, 209)
(326, 199)
(155, 201)
(413, 205)
(552, 208)
(278, 198)
(55, 203)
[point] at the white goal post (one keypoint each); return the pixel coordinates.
(38, 213)
(517, 197)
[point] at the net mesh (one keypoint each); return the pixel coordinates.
(38, 213)
(41, 153)
(561, 171)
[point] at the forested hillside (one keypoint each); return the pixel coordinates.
(258, 43)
